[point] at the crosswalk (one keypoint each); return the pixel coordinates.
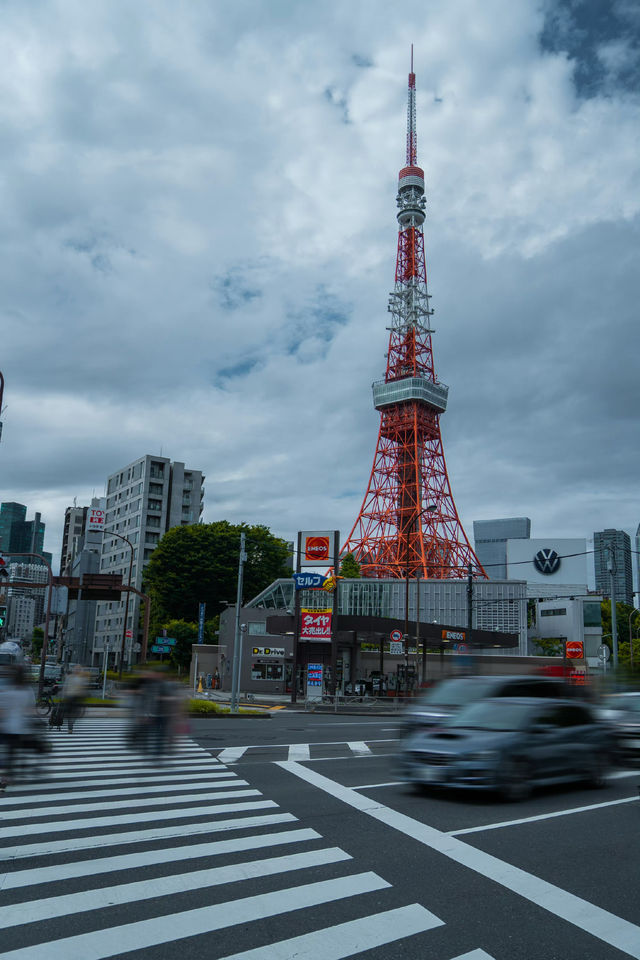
(330, 750)
(108, 854)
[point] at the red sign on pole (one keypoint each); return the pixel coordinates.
(315, 625)
(574, 650)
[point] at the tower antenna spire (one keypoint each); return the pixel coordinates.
(408, 524)
(412, 139)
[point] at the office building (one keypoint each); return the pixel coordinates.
(19, 535)
(81, 551)
(490, 541)
(144, 500)
(75, 519)
(26, 604)
(612, 553)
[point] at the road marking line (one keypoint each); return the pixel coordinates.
(134, 776)
(608, 927)
(121, 766)
(474, 955)
(313, 743)
(359, 748)
(48, 847)
(231, 754)
(299, 751)
(374, 786)
(130, 861)
(100, 897)
(347, 939)
(206, 782)
(128, 937)
(29, 813)
(541, 816)
(90, 823)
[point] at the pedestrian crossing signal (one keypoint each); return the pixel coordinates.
(3, 616)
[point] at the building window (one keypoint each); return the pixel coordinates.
(258, 629)
(557, 612)
(267, 671)
(155, 505)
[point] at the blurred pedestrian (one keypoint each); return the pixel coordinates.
(74, 691)
(17, 710)
(216, 679)
(162, 715)
(209, 681)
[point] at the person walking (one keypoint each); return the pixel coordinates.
(17, 709)
(73, 693)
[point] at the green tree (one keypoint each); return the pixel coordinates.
(549, 646)
(624, 612)
(185, 634)
(199, 564)
(349, 567)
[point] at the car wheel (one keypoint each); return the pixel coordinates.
(514, 782)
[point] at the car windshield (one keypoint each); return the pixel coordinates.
(456, 693)
(623, 703)
(492, 715)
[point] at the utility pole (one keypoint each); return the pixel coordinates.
(237, 646)
(611, 563)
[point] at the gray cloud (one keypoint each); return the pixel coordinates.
(196, 251)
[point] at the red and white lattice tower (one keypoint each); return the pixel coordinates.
(408, 524)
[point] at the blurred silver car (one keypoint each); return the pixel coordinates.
(448, 697)
(510, 745)
(622, 711)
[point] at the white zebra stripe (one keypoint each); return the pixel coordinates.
(52, 847)
(129, 861)
(119, 940)
(91, 823)
(29, 813)
(355, 936)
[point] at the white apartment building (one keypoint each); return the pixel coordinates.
(24, 616)
(144, 500)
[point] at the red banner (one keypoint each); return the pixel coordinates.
(315, 625)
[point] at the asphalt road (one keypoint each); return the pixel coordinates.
(553, 877)
(291, 838)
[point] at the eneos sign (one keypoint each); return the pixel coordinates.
(574, 650)
(316, 548)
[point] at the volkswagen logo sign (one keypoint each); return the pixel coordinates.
(546, 561)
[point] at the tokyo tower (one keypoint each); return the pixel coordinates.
(408, 524)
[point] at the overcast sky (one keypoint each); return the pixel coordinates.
(198, 239)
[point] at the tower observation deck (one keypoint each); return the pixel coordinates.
(408, 524)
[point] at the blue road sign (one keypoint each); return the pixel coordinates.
(160, 648)
(308, 581)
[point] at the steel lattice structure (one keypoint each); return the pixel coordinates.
(408, 524)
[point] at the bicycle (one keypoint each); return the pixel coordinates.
(44, 703)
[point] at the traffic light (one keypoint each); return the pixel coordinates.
(3, 615)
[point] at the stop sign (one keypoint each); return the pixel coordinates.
(574, 650)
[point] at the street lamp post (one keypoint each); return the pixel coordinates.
(237, 646)
(112, 533)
